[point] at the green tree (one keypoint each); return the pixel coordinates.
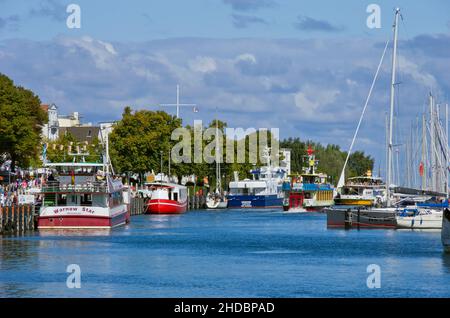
(21, 121)
(359, 163)
(139, 138)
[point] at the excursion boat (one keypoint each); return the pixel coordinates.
(166, 198)
(362, 191)
(82, 196)
(310, 191)
(419, 218)
(263, 191)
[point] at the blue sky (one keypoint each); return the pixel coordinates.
(302, 66)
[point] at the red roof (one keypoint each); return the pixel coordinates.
(45, 107)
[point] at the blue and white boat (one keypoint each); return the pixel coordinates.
(263, 191)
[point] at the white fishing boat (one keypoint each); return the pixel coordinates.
(419, 218)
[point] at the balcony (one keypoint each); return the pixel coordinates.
(88, 187)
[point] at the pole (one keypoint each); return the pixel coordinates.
(178, 101)
(161, 165)
(391, 117)
(169, 166)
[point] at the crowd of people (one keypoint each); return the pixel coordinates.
(9, 193)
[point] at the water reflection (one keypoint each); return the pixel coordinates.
(74, 232)
(446, 262)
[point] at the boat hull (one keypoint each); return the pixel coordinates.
(161, 206)
(420, 222)
(75, 221)
(373, 218)
(211, 204)
(254, 201)
(358, 202)
(445, 233)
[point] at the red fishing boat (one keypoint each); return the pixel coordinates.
(166, 198)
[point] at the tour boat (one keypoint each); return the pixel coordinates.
(166, 198)
(82, 196)
(310, 191)
(362, 191)
(419, 218)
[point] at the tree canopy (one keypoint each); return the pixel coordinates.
(21, 121)
(139, 138)
(331, 158)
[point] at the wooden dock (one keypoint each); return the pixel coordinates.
(137, 206)
(16, 219)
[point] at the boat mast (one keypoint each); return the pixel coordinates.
(432, 142)
(446, 151)
(391, 116)
(424, 149)
(218, 178)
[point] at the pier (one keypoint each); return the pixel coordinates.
(16, 219)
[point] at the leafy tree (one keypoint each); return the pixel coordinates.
(21, 121)
(139, 138)
(359, 163)
(331, 159)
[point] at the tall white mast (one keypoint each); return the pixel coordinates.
(391, 115)
(433, 145)
(446, 150)
(424, 153)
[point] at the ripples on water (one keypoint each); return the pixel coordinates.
(225, 254)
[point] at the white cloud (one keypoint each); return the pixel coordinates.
(419, 75)
(246, 57)
(101, 52)
(312, 101)
(203, 64)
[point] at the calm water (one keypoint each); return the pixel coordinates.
(225, 254)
